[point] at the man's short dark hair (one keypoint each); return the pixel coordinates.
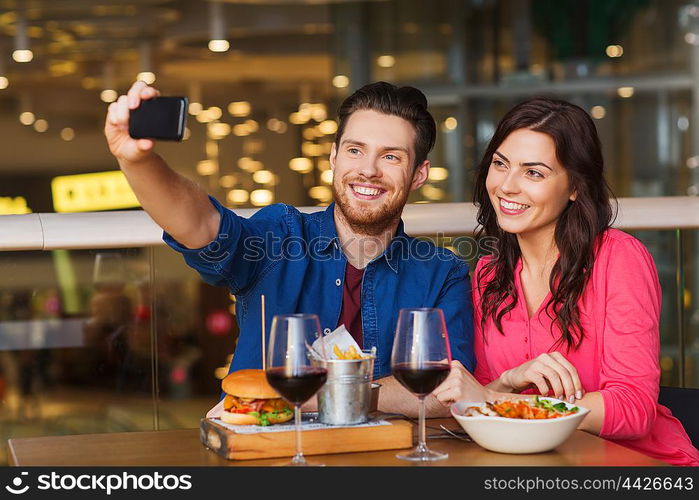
(405, 102)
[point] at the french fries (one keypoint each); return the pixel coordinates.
(350, 353)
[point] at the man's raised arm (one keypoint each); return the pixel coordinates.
(174, 202)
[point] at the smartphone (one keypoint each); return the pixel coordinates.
(161, 118)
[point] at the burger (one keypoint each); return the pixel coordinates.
(250, 400)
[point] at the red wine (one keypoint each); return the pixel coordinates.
(421, 380)
(297, 388)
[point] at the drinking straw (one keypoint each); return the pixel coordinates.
(264, 348)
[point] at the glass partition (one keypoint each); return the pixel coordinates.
(131, 339)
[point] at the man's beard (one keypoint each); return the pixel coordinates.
(368, 221)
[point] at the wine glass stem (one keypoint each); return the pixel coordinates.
(421, 443)
(298, 458)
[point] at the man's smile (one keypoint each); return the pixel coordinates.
(367, 191)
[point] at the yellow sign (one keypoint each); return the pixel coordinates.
(90, 192)
(14, 206)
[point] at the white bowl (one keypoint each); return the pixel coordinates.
(514, 435)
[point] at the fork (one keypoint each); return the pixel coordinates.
(458, 435)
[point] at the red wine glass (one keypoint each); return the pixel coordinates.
(292, 365)
(420, 361)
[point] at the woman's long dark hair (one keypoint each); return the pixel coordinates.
(578, 229)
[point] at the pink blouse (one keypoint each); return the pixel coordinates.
(619, 314)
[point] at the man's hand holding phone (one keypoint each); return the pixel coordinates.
(175, 203)
(121, 144)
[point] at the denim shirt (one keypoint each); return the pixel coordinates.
(295, 260)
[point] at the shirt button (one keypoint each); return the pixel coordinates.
(326, 331)
(338, 281)
(525, 339)
(526, 356)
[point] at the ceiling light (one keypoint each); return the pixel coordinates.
(108, 95)
(598, 112)
(238, 196)
(4, 82)
(239, 108)
(301, 165)
(297, 118)
(249, 165)
(320, 193)
(438, 174)
(252, 125)
(277, 126)
(146, 76)
(67, 134)
(219, 45)
(218, 130)
(26, 118)
(215, 112)
(241, 130)
(319, 112)
(625, 92)
(309, 133)
(217, 28)
(264, 177)
(614, 51)
(22, 53)
(328, 127)
(146, 62)
(195, 108)
(41, 125)
(207, 167)
(311, 149)
(272, 124)
(261, 197)
(340, 81)
(386, 61)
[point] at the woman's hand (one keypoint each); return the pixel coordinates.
(460, 385)
(547, 372)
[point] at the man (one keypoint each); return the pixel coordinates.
(351, 264)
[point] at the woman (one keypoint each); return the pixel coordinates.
(565, 305)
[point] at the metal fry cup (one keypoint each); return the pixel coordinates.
(346, 398)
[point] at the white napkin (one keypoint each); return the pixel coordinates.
(216, 411)
(339, 337)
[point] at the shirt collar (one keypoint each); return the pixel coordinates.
(328, 231)
(392, 255)
(399, 244)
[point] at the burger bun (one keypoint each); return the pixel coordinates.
(238, 418)
(248, 384)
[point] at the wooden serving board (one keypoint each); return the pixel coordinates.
(235, 446)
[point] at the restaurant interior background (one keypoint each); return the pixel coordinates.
(99, 340)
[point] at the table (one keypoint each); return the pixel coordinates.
(183, 448)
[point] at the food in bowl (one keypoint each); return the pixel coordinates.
(519, 435)
(527, 409)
